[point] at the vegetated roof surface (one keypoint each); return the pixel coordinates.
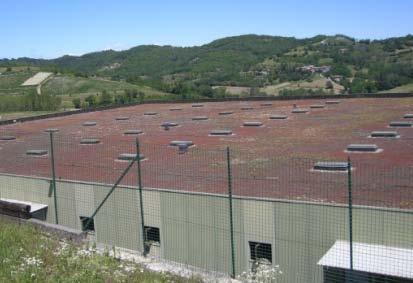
(272, 161)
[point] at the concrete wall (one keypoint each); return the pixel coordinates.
(194, 228)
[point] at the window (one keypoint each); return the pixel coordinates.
(86, 224)
(152, 234)
(260, 250)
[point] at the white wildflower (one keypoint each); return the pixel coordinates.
(263, 272)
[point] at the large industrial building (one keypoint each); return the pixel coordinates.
(288, 175)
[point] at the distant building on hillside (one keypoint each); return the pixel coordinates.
(37, 80)
(315, 69)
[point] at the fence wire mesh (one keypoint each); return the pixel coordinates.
(282, 209)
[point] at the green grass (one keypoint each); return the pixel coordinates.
(29, 255)
(401, 89)
(10, 82)
(76, 86)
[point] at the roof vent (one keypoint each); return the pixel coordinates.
(133, 132)
(129, 156)
(7, 138)
(221, 133)
(299, 110)
(266, 104)
(36, 152)
(332, 101)
(384, 134)
(331, 166)
(226, 113)
(317, 106)
(408, 116)
(175, 109)
(197, 105)
(51, 130)
(362, 148)
(150, 113)
(400, 124)
(182, 148)
(278, 117)
(89, 141)
(89, 124)
(199, 118)
(247, 108)
(169, 124)
(253, 124)
(123, 118)
(177, 143)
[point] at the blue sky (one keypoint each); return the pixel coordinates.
(52, 28)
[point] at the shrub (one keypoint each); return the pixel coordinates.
(76, 102)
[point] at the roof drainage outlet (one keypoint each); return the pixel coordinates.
(331, 166)
(278, 117)
(169, 124)
(7, 138)
(252, 124)
(247, 108)
(133, 132)
(299, 110)
(89, 141)
(317, 106)
(122, 118)
(332, 101)
(408, 116)
(362, 148)
(150, 113)
(200, 118)
(130, 156)
(89, 124)
(177, 143)
(51, 130)
(226, 113)
(384, 134)
(37, 152)
(221, 133)
(400, 124)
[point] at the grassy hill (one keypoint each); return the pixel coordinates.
(60, 91)
(10, 82)
(256, 61)
(402, 88)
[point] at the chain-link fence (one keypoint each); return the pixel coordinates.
(221, 210)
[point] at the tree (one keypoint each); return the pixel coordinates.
(329, 85)
(76, 102)
(105, 98)
(84, 105)
(141, 96)
(91, 100)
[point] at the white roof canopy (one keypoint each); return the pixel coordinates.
(378, 259)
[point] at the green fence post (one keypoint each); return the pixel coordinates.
(51, 131)
(138, 154)
(350, 209)
(231, 222)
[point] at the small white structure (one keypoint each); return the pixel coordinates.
(370, 258)
(37, 80)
